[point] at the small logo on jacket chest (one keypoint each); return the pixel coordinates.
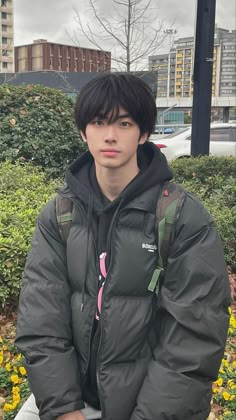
(149, 247)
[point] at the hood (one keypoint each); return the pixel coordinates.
(81, 178)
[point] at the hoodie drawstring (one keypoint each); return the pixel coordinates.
(90, 213)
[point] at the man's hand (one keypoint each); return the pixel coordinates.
(74, 415)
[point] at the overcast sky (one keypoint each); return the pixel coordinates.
(54, 19)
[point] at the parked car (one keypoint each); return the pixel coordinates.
(178, 145)
(166, 130)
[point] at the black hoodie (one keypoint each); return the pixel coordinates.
(81, 180)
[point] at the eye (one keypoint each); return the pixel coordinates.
(98, 122)
(125, 124)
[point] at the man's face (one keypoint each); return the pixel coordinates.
(114, 145)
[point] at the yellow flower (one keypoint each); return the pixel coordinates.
(15, 390)
(14, 404)
(19, 357)
(15, 379)
(233, 387)
(232, 321)
(232, 397)
(226, 395)
(219, 382)
(1, 339)
(225, 362)
(8, 367)
(7, 407)
(4, 347)
(15, 369)
(16, 398)
(230, 310)
(215, 390)
(221, 370)
(227, 413)
(230, 383)
(230, 330)
(22, 370)
(234, 364)
(1, 359)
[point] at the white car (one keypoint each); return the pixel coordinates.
(178, 145)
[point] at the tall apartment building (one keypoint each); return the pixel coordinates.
(175, 69)
(227, 42)
(44, 55)
(6, 37)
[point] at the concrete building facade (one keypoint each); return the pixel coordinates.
(6, 36)
(175, 69)
(44, 55)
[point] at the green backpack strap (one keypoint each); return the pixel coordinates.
(169, 204)
(64, 215)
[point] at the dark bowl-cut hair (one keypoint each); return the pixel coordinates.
(106, 93)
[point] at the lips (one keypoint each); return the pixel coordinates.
(110, 152)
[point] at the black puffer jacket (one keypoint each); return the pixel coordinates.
(157, 356)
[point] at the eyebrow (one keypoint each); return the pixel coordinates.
(123, 116)
(119, 116)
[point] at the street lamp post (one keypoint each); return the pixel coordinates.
(171, 33)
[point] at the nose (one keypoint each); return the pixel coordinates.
(110, 135)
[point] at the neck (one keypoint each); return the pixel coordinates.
(112, 182)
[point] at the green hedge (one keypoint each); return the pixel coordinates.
(37, 125)
(24, 190)
(212, 179)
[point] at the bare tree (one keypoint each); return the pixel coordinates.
(133, 31)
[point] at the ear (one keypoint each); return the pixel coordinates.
(143, 138)
(83, 136)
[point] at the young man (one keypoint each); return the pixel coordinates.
(88, 326)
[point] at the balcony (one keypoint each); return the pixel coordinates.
(5, 59)
(6, 9)
(8, 34)
(8, 21)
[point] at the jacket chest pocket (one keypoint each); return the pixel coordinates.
(134, 254)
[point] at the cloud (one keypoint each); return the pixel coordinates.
(53, 19)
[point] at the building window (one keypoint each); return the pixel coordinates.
(3, 2)
(4, 15)
(4, 40)
(51, 64)
(4, 28)
(4, 65)
(59, 64)
(67, 65)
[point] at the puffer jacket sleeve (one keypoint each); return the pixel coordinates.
(193, 320)
(44, 333)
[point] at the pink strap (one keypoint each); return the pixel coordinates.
(102, 264)
(103, 270)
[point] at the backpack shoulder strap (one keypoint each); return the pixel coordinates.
(64, 215)
(169, 204)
